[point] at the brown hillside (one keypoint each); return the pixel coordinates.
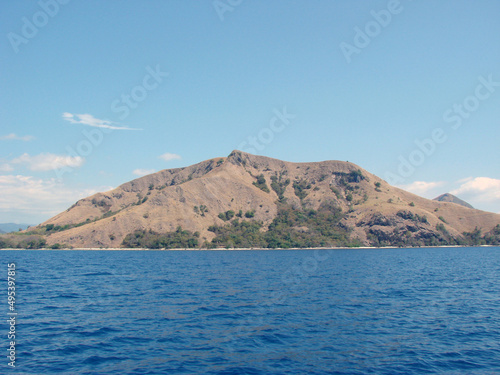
(194, 196)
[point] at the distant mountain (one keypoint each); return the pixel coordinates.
(452, 199)
(12, 227)
(244, 200)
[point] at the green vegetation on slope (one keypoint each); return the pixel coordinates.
(18, 241)
(300, 187)
(290, 228)
(238, 234)
(153, 240)
(261, 183)
(278, 184)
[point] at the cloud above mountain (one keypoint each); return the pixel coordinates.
(168, 156)
(42, 162)
(26, 197)
(47, 161)
(483, 189)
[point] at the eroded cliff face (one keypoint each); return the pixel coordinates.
(373, 212)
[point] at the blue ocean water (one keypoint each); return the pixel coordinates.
(383, 311)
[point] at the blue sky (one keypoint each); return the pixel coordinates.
(96, 93)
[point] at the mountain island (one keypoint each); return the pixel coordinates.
(249, 201)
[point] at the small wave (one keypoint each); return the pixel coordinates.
(75, 349)
(97, 274)
(95, 360)
(98, 332)
(51, 307)
(69, 295)
(173, 339)
(271, 339)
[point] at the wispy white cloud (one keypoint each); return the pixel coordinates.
(168, 156)
(6, 168)
(48, 161)
(482, 189)
(90, 120)
(422, 187)
(31, 199)
(15, 137)
(143, 172)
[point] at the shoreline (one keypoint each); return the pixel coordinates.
(252, 248)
